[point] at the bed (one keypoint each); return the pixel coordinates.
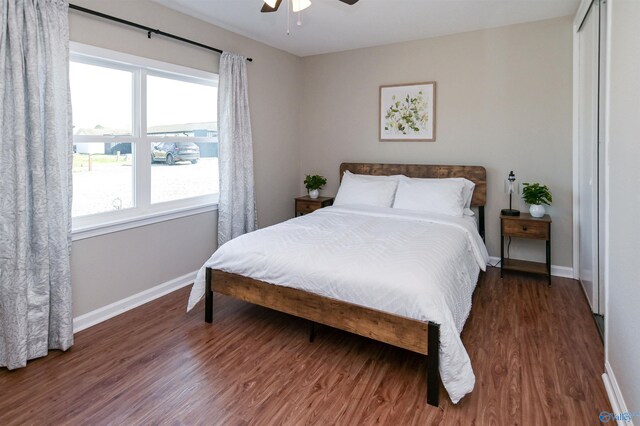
(319, 273)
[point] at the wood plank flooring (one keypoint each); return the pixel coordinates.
(535, 351)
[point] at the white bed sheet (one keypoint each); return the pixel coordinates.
(414, 264)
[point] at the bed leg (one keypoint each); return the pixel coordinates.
(208, 300)
(312, 331)
(433, 364)
(481, 221)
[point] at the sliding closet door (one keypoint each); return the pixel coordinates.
(588, 106)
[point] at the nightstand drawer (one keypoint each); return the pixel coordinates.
(306, 204)
(525, 229)
(305, 207)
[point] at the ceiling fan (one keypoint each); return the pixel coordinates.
(296, 5)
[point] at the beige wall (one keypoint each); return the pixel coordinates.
(623, 245)
(109, 268)
(112, 267)
(503, 102)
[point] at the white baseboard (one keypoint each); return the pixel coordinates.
(618, 405)
(102, 314)
(556, 271)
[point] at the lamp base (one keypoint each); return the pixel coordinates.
(510, 212)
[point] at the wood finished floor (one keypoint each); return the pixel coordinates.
(535, 350)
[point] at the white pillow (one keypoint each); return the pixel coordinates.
(366, 190)
(443, 196)
(467, 192)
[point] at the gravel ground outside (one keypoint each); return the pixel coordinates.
(109, 185)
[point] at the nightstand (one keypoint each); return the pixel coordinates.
(526, 226)
(307, 204)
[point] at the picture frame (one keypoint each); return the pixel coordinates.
(407, 112)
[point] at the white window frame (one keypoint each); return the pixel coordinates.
(143, 212)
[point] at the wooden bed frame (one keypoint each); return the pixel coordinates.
(417, 336)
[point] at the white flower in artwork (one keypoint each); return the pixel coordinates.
(408, 115)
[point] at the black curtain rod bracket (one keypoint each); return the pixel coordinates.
(149, 30)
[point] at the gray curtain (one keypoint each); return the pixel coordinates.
(35, 180)
(237, 206)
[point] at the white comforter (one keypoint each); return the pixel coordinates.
(417, 265)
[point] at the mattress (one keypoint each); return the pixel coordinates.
(417, 265)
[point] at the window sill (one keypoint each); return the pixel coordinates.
(82, 233)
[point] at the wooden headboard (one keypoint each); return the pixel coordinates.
(476, 174)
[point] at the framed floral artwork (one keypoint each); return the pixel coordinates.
(408, 112)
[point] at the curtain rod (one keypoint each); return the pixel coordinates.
(149, 30)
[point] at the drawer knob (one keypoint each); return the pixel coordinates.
(524, 228)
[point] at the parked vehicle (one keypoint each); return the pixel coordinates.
(171, 152)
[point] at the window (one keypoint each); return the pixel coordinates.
(145, 139)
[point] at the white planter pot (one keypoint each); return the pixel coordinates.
(536, 210)
(314, 193)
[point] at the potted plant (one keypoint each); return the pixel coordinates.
(536, 195)
(314, 184)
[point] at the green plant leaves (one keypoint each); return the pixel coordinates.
(534, 193)
(314, 182)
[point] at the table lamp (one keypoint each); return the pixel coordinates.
(510, 186)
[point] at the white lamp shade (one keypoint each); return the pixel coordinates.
(271, 3)
(298, 5)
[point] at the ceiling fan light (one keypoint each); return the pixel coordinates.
(298, 5)
(271, 3)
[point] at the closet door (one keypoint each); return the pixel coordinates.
(588, 118)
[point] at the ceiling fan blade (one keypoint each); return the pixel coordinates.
(349, 2)
(266, 8)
